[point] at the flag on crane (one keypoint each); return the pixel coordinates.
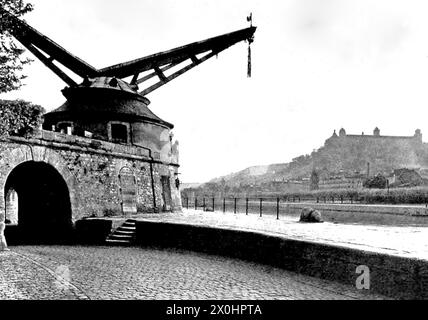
(250, 18)
(250, 40)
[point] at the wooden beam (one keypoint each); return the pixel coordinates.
(161, 74)
(179, 72)
(29, 36)
(182, 53)
(154, 74)
(135, 78)
(48, 62)
(195, 59)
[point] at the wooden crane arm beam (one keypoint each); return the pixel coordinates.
(49, 63)
(177, 55)
(31, 38)
(165, 79)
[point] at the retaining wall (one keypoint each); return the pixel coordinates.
(389, 275)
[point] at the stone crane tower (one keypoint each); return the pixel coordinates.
(103, 151)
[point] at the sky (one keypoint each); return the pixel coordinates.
(318, 66)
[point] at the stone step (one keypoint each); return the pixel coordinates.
(118, 242)
(124, 231)
(121, 236)
(125, 234)
(123, 227)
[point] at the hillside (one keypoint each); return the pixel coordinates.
(342, 156)
(253, 175)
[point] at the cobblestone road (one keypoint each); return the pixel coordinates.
(55, 272)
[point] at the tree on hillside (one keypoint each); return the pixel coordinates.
(315, 179)
(11, 60)
(19, 117)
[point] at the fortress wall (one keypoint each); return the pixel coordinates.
(384, 153)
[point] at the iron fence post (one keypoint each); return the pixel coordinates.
(277, 208)
(246, 206)
(213, 204)
(204, 204)
(224, 205)
(234, 211)
(196, 203)
(261, 207)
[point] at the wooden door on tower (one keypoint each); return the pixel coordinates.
(128, 191)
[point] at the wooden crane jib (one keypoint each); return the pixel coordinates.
(48, 51)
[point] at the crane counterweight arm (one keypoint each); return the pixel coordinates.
(31, 39)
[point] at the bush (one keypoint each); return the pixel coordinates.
(18, 117)
(377, 182)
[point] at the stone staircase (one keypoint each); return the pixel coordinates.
(124, 235)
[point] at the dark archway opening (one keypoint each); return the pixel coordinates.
(44, 209)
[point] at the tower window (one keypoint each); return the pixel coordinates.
(65, 128)
(119, 133)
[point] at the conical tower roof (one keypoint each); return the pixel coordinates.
(105, 98)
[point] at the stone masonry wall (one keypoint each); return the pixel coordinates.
(94, 172)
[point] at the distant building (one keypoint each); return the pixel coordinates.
(405, 178)
(416, 138)
(346, 160)
(341, 183)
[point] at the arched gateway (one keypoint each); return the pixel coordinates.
(38, 203)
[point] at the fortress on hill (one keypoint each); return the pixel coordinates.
(416, 139)
(351, 158)
(345, 161)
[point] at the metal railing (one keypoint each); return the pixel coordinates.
(257, 205)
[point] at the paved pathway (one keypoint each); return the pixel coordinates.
(55, 272)
(409, 242)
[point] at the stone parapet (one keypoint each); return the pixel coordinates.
(58, 140)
